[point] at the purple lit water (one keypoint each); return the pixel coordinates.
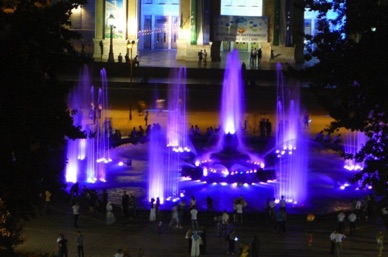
(291, 146)
(87, 157)
(353, 142)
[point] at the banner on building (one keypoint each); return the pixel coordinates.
(116, 8)
(241, 29)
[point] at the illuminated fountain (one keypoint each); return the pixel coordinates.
(291, 148)
(230, 161)
(167, 150)
(87, 158)
(353, 142)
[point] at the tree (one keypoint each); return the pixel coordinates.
(35, 120)
(350, 77)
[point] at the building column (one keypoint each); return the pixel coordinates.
(215, 45)
(99, 29)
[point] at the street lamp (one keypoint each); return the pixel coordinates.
(130, 47)
(111, 20)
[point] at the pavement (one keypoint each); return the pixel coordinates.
(102, 240)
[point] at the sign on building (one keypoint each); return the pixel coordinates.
(241, 29)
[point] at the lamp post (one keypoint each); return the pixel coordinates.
(111, 25)
(130, 47)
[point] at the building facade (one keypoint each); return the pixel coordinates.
(188, 26)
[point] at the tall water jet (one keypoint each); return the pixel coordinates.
(353, 142)
(87, 157)
(231, 161)
(291, 148)
(177, 137)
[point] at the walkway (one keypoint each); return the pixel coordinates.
(103, 241)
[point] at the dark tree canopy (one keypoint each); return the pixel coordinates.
(350, 76)
(35, 120)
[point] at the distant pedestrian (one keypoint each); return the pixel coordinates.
(380, 243)
(125, 204)
(255, 246)
(209, 204)
(188, 236)
(332, 242)
(194, 219)
(231, 239)
(80, 244)
(152, 210)
(62, 246)
(204, 56)
(341, 221)
(146, 118)
(47, 198)
(195, 245)
(338, 243)
(200, 57)
(352, 223)
(157, 206)
(75, 208)
(110, 217)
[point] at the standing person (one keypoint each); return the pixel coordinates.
(203, 242)
(192, 202)
(231, 238)
(255, 246)
(338, 243)
(188, 237)
(47, 200)
(62, 246)
(132, 206)
(341, 222)
(175, 217)
(204, 56)
(259, 55)
(380, 243)
(209, 204)
(157, 206)
(80, 244)
(195, 245)
(239, 211)
(110, 217)
(200, 57)
(224, 223)
(152, 210)
(75, 208)
(125, 203)
(194, 218)
(352, 223)
(332, 241)
(146, 118)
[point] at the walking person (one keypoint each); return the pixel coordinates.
(75, 208)
(80, 244)
(204, 56)
(189, 239)
(341, 222)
